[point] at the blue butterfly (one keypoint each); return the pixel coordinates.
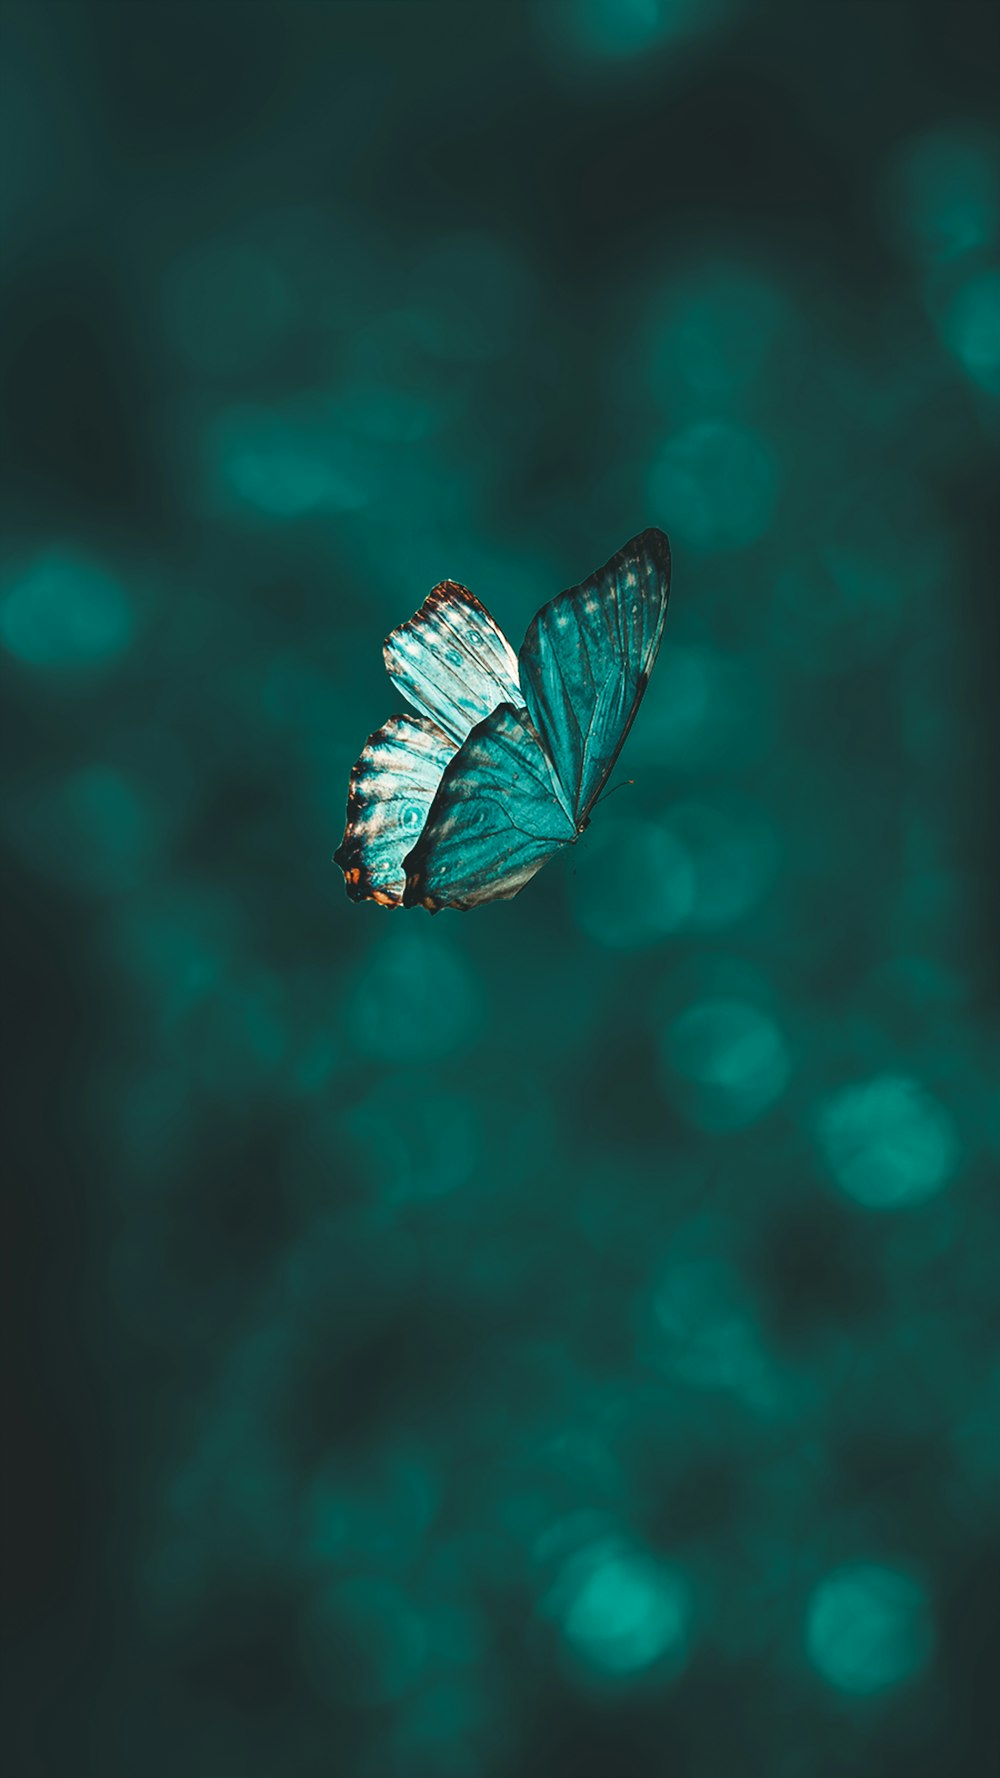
(465, 802)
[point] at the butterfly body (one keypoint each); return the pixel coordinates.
(501, 769)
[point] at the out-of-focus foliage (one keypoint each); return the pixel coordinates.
(562, 1338)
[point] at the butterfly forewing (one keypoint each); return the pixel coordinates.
(452, 661)
(494, 821)
(586, 660)
(392, 788)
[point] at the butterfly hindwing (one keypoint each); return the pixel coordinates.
(392, 787)
(494, 822)
(586, 660)
(452, 661)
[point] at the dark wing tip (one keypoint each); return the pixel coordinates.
(414, 898)
(358, 880)
(652, 542)
(415, 894)
(413, 886)
(449, 589)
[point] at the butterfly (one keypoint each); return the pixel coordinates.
(501, 769)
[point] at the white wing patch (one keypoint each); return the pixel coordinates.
(452, 661)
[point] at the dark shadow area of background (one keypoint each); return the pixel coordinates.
(562, 1338)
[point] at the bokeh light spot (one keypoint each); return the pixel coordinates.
(65, 611)
(614, 30)
(285, 462)
(414, 1001)
(712, 334)
(732, 858)
(709, 1336)
(945, 191)
(715, 485)
(888, 1142)
(723, 1063)
(620, 1610)
(634, 883)
(868, 1628)
(972, 328)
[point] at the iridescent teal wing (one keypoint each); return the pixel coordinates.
(452, 662)
(498, 816)
(392, 788)
(586, 661)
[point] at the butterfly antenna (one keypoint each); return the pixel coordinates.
(619, 786)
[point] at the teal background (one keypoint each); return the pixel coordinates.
(561, 1338)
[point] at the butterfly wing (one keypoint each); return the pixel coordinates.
(452, 661)
(586, 660)
(496, 819)
(392, 788)
(488, 789)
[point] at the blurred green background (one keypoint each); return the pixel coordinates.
(562, 1338)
